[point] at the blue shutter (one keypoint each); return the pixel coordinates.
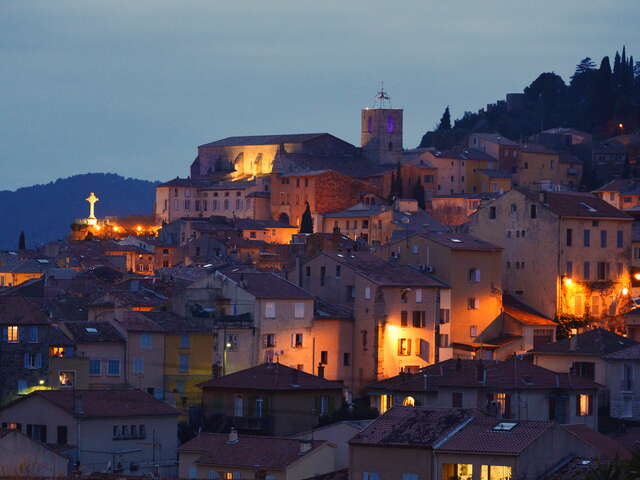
(38, 360)
(26, 359)
(21, 332)
(5, 334)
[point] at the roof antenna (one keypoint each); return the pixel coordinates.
(383, 100)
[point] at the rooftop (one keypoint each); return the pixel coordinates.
(266, 285)
(575, 205)
(597, 342)
(94, 332)
(264, 139)
(272, 376)
(272, 453)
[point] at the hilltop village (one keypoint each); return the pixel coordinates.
(300, 307)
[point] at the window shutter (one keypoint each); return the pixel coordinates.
(26, 360)
(21, 332)
(419, 295)
(293, 340)
(399, 346)
(5, 334)
(507, 406)
(590, 404)
(264, 341)
(38, 360)
(408, 346)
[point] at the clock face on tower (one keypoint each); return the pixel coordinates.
(390, 124)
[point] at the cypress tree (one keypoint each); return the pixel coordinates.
(306, 223)
(22, 244)
(418, 193)
(445, 120)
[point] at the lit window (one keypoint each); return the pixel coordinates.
(583, 405)
(66, 378)
(404, 347)
(502, 401)
(409, 402)
(495, 472)
(386, 402)
(459, 471)
(12, 334)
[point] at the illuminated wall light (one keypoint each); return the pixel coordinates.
(636, 276)
(568, 281)
(625, 291)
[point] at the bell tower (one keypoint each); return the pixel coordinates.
(381, 130)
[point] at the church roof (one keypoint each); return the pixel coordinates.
(264, 139)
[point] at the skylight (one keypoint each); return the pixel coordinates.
(504, 426)
(91, 329)
(588, 207)
(455, 240)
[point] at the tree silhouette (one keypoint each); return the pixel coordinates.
(306, 223)
(22, 244)
(445, 120)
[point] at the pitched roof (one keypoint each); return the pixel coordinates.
(172, 323)
(460, 241)
(27, 266)
(575, 205)
(479, 436)
(494, 173)
(272, 376)
(624, 186)
(264, 139)
(21, 311)
(497, 138)
(509, 374)
(267, 285)
(105, 403)
(384, 273)
(628, 353)
(412, 426)
(608, 447)
(523, 313)
(597, 342)
(272, 453)
(94, 332)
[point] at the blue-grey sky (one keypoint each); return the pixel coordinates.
(133, 86)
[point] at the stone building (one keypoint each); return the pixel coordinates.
(563, 253)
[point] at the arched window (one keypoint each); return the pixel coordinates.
(409, 402)
(370, 124)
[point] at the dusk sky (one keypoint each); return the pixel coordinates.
(132, 87)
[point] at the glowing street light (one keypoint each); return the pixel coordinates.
(636, 276)
(625, 291)
(568, 281)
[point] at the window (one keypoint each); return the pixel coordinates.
(584, 405)
(569, 269)
(61, 435)
(456, 399)
(514, 208)
(113, 367)
(185, 341)
(595, 305)
(603, 239)
(367, 293)
(503, 403)
(138, 365)
(145, 340)
(94, 367)
(473, 303)
(403, 318)
(238, 406)
(627, 378)
(534, 211)
(419, 318)
(184, 363)
(584, 369)
(457, 471)
(404, 347)
(13, 334)
(297, 340)
(269, 340)
(569, 237)
(404, 296)
(578, 305)
(619, 239)
(351, 293)
(324, 357)
(299, 310)
(33, 334)
(495, 472)
(492, 213)
(474, 275)
(409, 402)
(369, 475)
(338, 271)
(66, 378)
(346, 359)
(270, 310)
(232, 342)
(308, 271)
(603, 270)
(586, 270)
(586, 238)
(443, 340)
(473, 331)
(418, 295)
(32, 360)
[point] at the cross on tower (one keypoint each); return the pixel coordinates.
(92, 199)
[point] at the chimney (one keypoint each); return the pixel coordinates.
(305, 446)
(233, 436)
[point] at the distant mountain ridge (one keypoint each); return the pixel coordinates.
(45, 212)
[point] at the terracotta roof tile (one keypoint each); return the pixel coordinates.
(272, 376)
(22, 311)
(576, 205)
(94, 332)
(608, 447)
(523, 313)
(267, 285)
(597, 342)
(272, 453)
